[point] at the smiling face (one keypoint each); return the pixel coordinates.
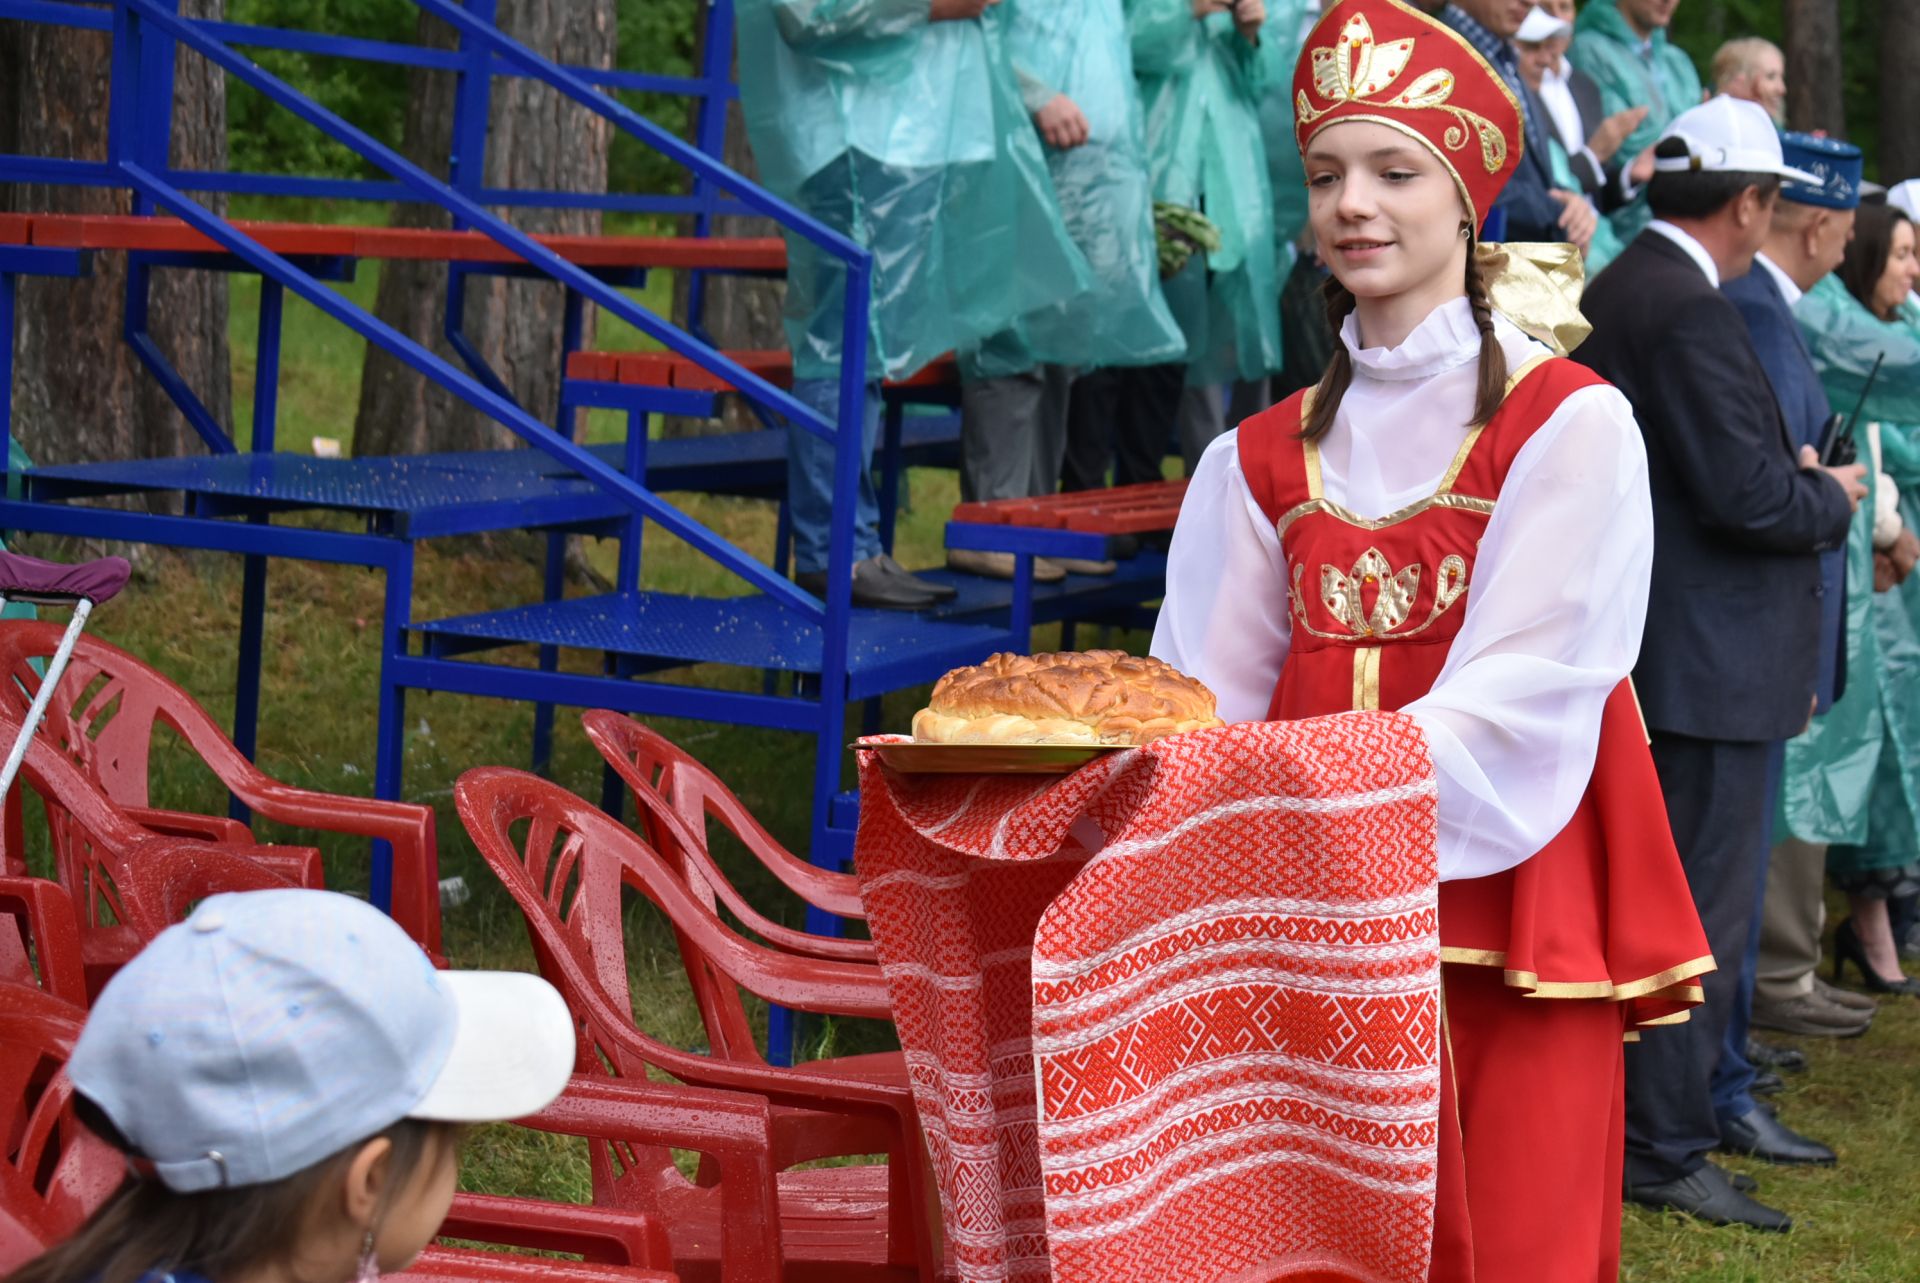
(1897, 278)
(1385, 213)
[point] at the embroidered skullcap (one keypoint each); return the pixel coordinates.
(1388, 63)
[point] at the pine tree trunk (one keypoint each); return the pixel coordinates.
(79, 392)
(1814, 73)
(536, 139)
(1899, 92)
(739, 312)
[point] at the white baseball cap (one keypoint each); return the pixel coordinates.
(1729, 135)
(273, 1029)
(1541, 25)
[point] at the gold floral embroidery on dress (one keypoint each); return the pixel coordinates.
(1356, 70)
(1343, 593)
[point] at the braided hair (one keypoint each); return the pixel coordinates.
(1327, 394)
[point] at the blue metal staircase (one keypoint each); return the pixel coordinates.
(232, 497)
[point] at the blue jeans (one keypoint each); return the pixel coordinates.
(810, 479)
(1733, 1073)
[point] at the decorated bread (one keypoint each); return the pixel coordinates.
(1070, 697)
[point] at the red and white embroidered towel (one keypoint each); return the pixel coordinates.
(1208, 1052)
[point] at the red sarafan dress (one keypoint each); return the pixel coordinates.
(1552, 961)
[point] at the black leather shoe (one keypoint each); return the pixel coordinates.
(872, 587)
(900, 574)
(1760, 1135)
(1784, 1060)
(1765, 1083)
(1709, 1195)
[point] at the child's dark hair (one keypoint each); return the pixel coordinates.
(146, 1228)
(1333, 384)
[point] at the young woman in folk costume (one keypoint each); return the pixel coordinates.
(1457, 524)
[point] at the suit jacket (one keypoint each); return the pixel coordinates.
(1803, 402)
(1733, 624)
(1602, 182)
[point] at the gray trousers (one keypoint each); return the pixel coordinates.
(1013, 433)
(1791, 921)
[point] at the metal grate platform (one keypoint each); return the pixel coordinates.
(885, 651)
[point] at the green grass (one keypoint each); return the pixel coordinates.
(1858, 1222)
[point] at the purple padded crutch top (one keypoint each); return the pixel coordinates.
(53, 583)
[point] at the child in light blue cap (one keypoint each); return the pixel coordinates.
(289, 1078)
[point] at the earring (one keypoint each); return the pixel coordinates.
(368, 1269)
(1466, 230)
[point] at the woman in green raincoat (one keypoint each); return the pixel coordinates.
(1199, 79)
(1853, 779)
(1074, 69)
(896, 122)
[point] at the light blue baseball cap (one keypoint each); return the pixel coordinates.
(273, 1029)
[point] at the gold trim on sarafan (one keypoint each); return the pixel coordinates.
(1605, 990)
(1366, 679)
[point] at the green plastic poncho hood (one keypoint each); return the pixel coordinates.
(909, 136)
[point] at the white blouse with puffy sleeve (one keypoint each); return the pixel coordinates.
(1554, 612)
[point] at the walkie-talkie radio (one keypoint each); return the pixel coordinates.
(1837, 446)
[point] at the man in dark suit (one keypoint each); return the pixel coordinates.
(1530, 206)
(1806, 239)
(1728, 664)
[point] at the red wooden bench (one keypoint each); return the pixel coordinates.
(668, 370)
(1122, 510)
(139, 232)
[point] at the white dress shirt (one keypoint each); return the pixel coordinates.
(1554, 613)
(1788, 290)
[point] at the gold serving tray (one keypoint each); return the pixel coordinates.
(985, 759)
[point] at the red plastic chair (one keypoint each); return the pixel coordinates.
(677, 796)
(126, 882)
(40, 939)
(52, 1170)
(567, 873)
(103, 716)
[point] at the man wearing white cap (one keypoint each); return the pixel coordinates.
(1728, 663)
(1572, 100)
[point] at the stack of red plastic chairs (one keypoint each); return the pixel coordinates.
(757, 1205)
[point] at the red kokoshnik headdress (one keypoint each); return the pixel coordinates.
(1386, 62)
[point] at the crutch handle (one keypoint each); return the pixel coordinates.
(51, 583)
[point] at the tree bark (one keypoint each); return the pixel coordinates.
(79, 392)
(738, 311)
(1899, 91)
(536, 139)
(1815, 99)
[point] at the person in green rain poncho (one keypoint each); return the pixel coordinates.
(1623, 46)
(897, 123)
(1199, 68)
(1853, 779)
(1075, 73)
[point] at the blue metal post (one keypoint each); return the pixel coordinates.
(553, 584)
(253, 568)
(389, 767)
(716, 92)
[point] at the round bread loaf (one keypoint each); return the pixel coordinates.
(1069, 697)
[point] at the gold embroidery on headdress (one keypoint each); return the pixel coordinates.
(1355, 69)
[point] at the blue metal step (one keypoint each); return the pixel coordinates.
(886, 650)
(464, 492)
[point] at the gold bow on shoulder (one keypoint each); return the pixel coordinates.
(1537, 286)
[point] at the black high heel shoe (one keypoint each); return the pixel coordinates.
(1847, 948)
